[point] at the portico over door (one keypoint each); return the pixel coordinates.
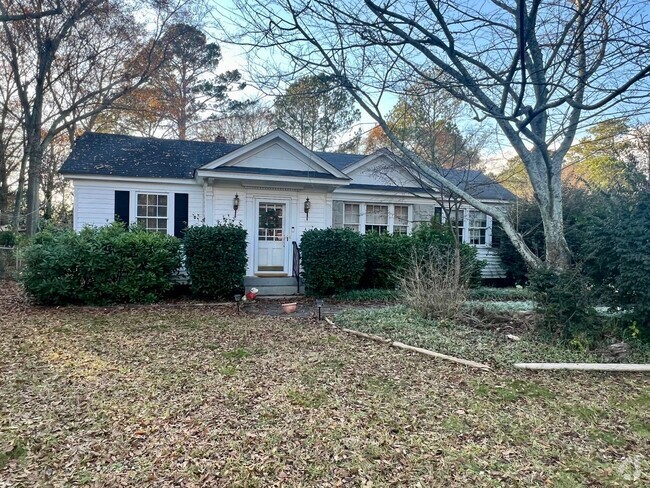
(271, 237)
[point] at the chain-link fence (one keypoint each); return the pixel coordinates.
(9, 262)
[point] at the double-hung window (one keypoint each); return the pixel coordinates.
(152, 212)
(477, 228)
(372, 217)
(377, 218)
(401, 219)
(351, 216)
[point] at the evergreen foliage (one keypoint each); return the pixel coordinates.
(216, 259)
(99, 265)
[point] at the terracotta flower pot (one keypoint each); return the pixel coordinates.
(289, 307)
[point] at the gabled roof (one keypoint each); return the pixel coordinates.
(144, 157)
(147, 157)
(280, 138)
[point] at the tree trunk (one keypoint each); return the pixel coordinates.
(35, 158)
(558, 256)
(4, 186)
(20, 190)
(548, 194)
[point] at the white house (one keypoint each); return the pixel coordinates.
(274, 186)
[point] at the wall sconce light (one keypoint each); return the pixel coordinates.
(307, 207)
(235, 204)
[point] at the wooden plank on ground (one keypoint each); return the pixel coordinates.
(586, 366)
(401, 345)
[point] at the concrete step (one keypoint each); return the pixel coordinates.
(275, 291)
(257, 281)
(273, 286)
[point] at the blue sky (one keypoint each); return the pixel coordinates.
(235, 57)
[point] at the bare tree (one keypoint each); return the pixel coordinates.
(71, 66)
(16, 11)
(239, 125)
(537, 70)
(10, 139)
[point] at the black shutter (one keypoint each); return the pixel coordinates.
(122, 206)
(181, 216)
(437, 214)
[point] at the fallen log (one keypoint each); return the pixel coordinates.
(466, 362)
(586, 366)
(401, 345)
(372, 337)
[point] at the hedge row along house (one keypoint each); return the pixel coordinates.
(274, 187)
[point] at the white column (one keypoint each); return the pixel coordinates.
(208, 203)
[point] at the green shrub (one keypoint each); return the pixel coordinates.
(387, 256)
(216, 259)
(99, 266)
(615, 254)
(437, 239)
(565, 302)
(333, 260)
(8, 239)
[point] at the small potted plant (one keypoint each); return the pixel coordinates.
(252, 294)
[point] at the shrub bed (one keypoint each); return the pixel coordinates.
(387, 256)
(99, 266)
(333, 260)
(8, 239)
(436, 239)
(339, 260)
(216, 259)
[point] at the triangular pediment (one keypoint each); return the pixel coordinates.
(381, 169)
(276, 151)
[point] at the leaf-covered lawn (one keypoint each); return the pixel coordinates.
(198, 397)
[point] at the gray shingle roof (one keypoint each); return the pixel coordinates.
(145, 157)
(117, 155)
(341, 160)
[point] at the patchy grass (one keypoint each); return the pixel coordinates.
(468, 342)
(481, 294)
(501, 306)
(370, 295)
(485, 293)
(157, 396)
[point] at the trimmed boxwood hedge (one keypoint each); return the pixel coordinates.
(340, 260)
(333, 260)
(387, 255)
(99, 265)
(216, 259)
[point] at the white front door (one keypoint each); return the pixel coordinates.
(271, 237)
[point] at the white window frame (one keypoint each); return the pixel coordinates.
(391, 214)
(470, 228)
(466, 239)
(357, 224)
(394, 216)
(388, 224)
(170, 207)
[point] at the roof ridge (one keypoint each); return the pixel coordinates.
(150, 138)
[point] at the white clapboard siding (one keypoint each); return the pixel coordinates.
(94, 200)
(494, 266)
